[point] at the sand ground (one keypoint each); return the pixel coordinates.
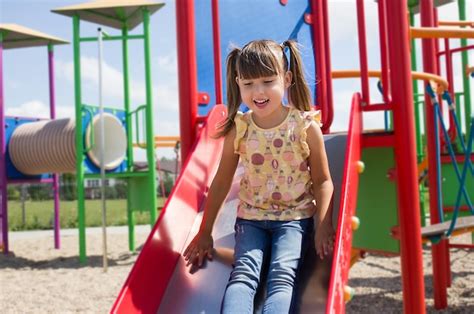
(378, 286)
(36, 278)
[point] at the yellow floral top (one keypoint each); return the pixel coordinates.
(276, 184)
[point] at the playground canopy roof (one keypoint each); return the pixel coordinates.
(16, 36)
(414, 5)
(112, 13)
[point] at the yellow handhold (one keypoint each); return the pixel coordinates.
(355, 222)
(348, 293)
(360, 166)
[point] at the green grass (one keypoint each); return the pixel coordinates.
(40, 214)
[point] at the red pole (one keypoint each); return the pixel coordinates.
(364, 68)
(327, 52)
(449, 66)
(187, 73)
(439, 251)
(382, 10)
(449, 73)
(405, 159)
(438, 68)
(318, 48)
(217, 51)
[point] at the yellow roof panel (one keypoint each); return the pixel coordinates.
(17, 36)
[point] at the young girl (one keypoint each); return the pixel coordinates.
(286, 184)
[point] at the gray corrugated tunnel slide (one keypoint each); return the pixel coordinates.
(49, 146)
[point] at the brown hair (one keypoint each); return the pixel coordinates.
(261, 58)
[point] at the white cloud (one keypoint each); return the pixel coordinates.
(32, 108)
(38, 109)
(164, 93)
(112, 78)
(168, 64)
(64, 69)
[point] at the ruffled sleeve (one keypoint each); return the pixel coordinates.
(306, 118)
(241, 125)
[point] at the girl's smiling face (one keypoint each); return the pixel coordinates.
(264, 96)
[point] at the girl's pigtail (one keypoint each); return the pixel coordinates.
(233, 93)
(298, 93)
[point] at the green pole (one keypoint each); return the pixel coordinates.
(465, 77)
(418, 117)
(150, 150)
(465, 80)
(419, 142)
(126, 93)
(79, 146)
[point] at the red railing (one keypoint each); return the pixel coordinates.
(348, 202)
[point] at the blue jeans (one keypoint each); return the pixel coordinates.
(254, 240)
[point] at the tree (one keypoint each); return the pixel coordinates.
(121, 188)
(168, 182)
(13, 192)
(68, 187)
(39, 192)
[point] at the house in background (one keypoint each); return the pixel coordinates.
(171, 167)
(92, 187)
(167, 171)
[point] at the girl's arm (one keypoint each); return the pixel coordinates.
(202, 244)
(322, 189)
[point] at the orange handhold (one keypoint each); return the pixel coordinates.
(355, 223)
(348, 293)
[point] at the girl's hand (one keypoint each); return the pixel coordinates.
(199, 248)
(324, 239)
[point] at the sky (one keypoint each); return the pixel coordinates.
(26, 74)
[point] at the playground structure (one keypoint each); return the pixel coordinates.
(388, 196)
(141, 184)
(401, 164)
(11, 37)
(32, 151)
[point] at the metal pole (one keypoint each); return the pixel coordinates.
(3, 166)
(102, 147)
(382, 11)
(418, 116)
(418, 121)
(465, 77)
(319, 59)
(128, 122)
(364, 67)
(405, 159)
(450, 77)
(79, 145)
(187, 73)
(217, 51)
(150, 138)
(23, 208)
(438, 250)
(327, 61)
(52, 112)
(384, 50)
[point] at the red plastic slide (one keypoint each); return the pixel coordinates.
(160, 282)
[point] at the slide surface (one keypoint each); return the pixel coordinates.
(160, 282)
